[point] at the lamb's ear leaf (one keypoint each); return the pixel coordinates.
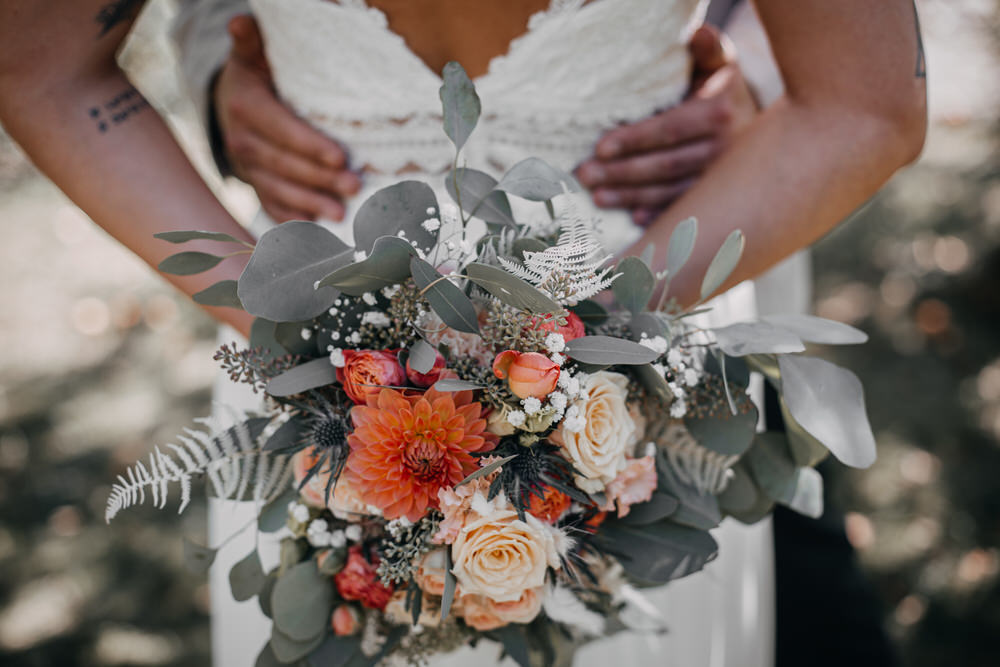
(723, 263)
(460, 104)
(681, 244)
(634, 287)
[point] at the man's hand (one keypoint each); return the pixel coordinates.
(298, 173)
(647, 165)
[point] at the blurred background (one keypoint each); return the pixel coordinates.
(100, 359)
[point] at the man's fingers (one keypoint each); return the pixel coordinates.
(247, 42)
(280, 213)
(639, 197)
(707, 51)
(269, 118)
(659, 166)
(294, 197)
(253, 151)
(692, 119)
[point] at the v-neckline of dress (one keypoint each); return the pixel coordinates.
(376, 15)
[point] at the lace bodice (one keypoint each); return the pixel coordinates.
(579, 69)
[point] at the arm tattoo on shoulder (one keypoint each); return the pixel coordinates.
(116, 12)
(921, 71)
(118, 109)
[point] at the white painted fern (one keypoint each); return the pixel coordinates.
(573, 269)
(231, 458)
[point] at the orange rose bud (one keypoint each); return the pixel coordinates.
(527, 373)
(345, 620)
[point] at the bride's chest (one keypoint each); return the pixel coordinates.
(573, 71)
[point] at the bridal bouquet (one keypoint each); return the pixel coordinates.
(477, 425)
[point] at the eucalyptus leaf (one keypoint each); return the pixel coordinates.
(266, 657)
(288, 650)
(262, 337)
(737, 372)
(806, 450)
(336, 651)
(654, 382)
(476, 195)
(828, 402)
(801, 489)
(387, 264)
(185, 236)
(607, 350)
(401, 207)
(590, 312)
(264, 597)
(633, 288)
(743, 499)
(486, 470)
(514, 641)
(723, 263)
(289, 336)
(510, 289)
(659, 552)
(681, 244)
(247, 578)
(279, 282)
(301, 601)
(723, 432)
(449, 302)
(188, 263)
(648, 253)
(460, 104)
(422, 356)
(198, 559)
(274, 515)
(222, 293)
(448, 596)
(536, 180)
(316, 373)
(454, 384)
(696, 509)
(660, 506)
(814, 329)
(647, 323)
(743, 338)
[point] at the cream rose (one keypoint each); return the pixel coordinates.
(500, 556)
(598, 450)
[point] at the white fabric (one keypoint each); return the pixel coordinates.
(579, 70)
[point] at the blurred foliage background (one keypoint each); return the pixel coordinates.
(100, 359)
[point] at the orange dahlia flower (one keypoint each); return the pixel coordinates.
(407, 446)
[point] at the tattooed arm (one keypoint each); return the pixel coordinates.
(853, 112)
(66, 102)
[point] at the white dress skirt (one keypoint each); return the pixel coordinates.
(580, 69)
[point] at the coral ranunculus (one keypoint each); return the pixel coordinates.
(552, 507)
(527, 373)
(405, 448)
(572, 329)
(364, 369)
(428, 378)
(358, 581)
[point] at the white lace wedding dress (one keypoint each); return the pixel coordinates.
(580, 69)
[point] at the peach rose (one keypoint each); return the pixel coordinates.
(346, 503)
(314, 492)
(634, 484)
(598, 450)
(479, 614)
(500, 556)
(363, 369)
(345, 620)
(522, 610)
(527, 373)
(431, 573)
